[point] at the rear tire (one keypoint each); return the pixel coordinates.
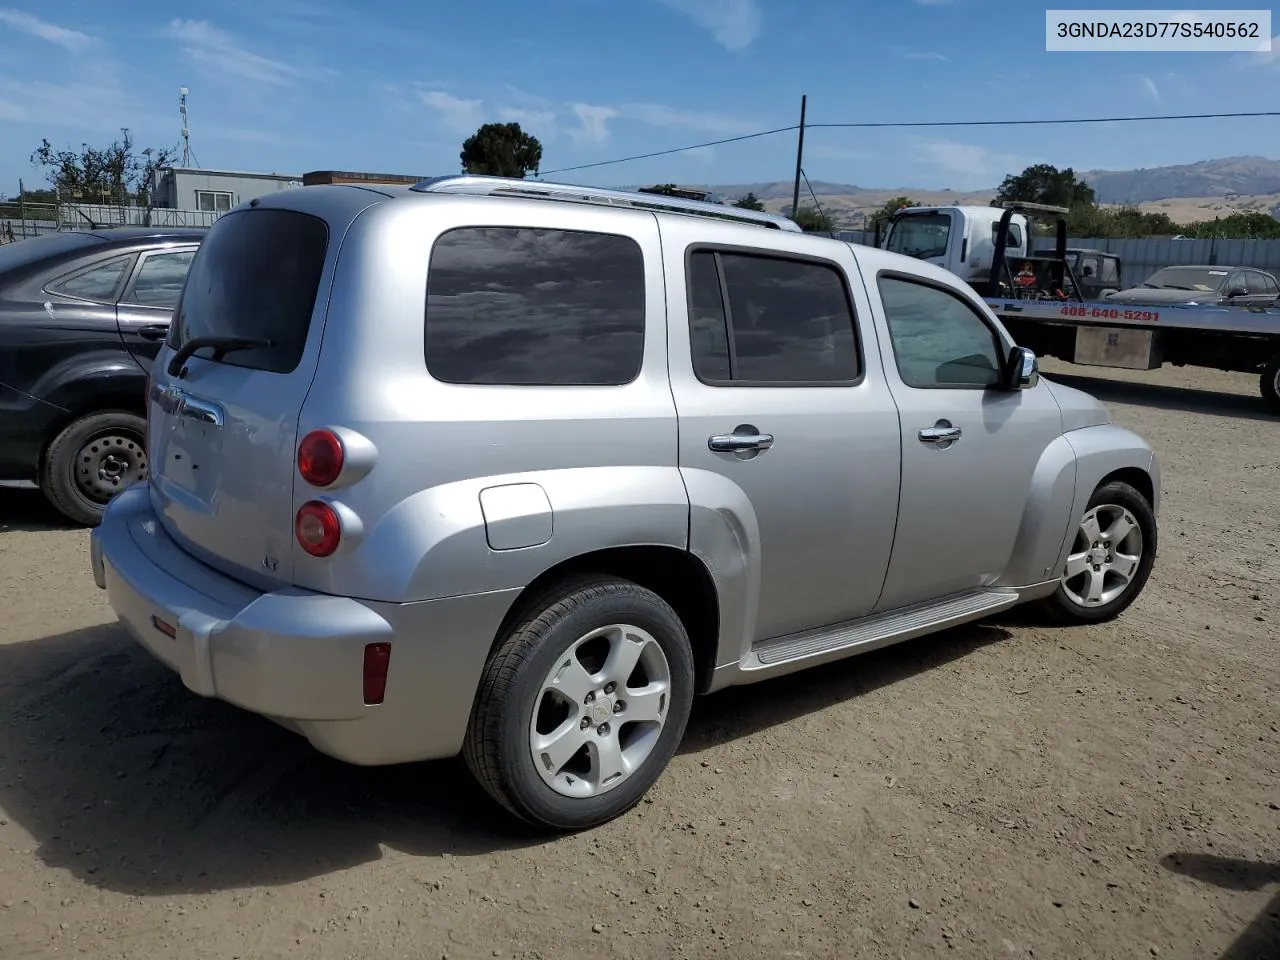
(1269, 384)
(94, 458)
(1110, 559)
(583, 705)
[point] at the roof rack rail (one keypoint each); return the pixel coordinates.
(474, 185)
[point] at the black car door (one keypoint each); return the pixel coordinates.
(148, 301)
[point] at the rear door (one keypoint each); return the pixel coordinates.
(147, 304)
(222, 431)
(769, 343)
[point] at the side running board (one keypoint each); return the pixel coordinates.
(871, 633)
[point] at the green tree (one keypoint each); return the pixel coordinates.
(888, 209)
(814, 220)
(501, 150)
(749, 202)
(1044, 183)
(107, 174)
(1250, 225)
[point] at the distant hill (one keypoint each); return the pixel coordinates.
(1186, 192)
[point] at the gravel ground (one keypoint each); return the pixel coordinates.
(1002, 790)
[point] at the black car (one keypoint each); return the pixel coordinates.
(82, 315)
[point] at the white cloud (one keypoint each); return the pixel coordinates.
(541, 123)
(1151, 89)
(218, 53)
(661, 115)
(28, 23)
(973, 163)
(593, 123)
(734, 24)
(923, 55)
(457, 115)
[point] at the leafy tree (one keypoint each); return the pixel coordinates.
(1043, 183)
(814, 220)
(749, 202)
(103, 174)
(501, 150)
(1250, 225)
(888, 209)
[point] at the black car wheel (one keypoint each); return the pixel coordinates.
(91, 460)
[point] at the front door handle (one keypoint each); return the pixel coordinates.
(740, 442)
(202, 412)
(939, 434)
(154, 331)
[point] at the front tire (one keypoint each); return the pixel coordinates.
(1269, 384)
(583, 705)
(94, 458)
(1110, 559)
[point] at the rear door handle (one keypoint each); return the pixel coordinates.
(202, 412)
(939, 434)
(154, 331)
(738, 442)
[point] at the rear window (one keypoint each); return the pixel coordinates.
(255, 276)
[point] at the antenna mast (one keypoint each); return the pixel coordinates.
(186, 132)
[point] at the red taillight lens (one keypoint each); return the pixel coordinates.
(377, 658)
(317, 528)
(320, 458)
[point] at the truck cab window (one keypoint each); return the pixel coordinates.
(921, 235)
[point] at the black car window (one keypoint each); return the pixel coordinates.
(535, 307)
(256, 276)
(788, 321)
(159, 279)
(1270, 286)
(98, 283)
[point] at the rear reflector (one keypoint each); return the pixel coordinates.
(317, 528)
(168, 629)
(377, 658)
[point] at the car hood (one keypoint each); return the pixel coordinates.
(1163, 295)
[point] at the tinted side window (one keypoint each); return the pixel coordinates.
(789, 321)
(938, 339)
(708, 323)
(255, 276)
(159, 280)
(517, 305)
(98, 283)
(1110, 271)
(1270, 286)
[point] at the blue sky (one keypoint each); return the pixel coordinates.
(391, 86)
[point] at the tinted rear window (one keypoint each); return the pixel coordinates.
(256, 275)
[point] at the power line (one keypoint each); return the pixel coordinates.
(909, 123)
(663, 153)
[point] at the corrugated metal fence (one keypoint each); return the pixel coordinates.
(1141, 258)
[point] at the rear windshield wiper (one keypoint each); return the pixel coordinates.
(221, 346)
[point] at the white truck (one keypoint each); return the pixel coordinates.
(1045, 306)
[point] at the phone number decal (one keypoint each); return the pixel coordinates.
(1104, 313)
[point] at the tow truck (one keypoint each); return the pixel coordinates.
(1045, 306)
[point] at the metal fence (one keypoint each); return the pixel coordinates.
(21, 220)
(1140, 258)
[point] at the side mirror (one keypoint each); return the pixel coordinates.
(1022, 370)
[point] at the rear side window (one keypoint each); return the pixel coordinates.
(786, 321)
(534, 307)
(255, 276)
(159, 280)
(98, 283)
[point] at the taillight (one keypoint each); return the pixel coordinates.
(317, 528)
(377, 659)
(320, 457)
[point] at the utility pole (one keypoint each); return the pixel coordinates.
(795, 195)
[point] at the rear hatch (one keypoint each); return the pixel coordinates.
(222, 427)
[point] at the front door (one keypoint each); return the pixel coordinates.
(149, 299)
(789, 440)
(969, 448)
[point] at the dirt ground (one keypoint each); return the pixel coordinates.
(1003, 790)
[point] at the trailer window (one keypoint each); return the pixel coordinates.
(921, 235)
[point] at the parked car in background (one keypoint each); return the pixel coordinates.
(82, 314)
(518, 470)
(1205, 285)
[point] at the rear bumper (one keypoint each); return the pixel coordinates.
(293, 655)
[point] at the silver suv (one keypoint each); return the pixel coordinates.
(517, 469)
